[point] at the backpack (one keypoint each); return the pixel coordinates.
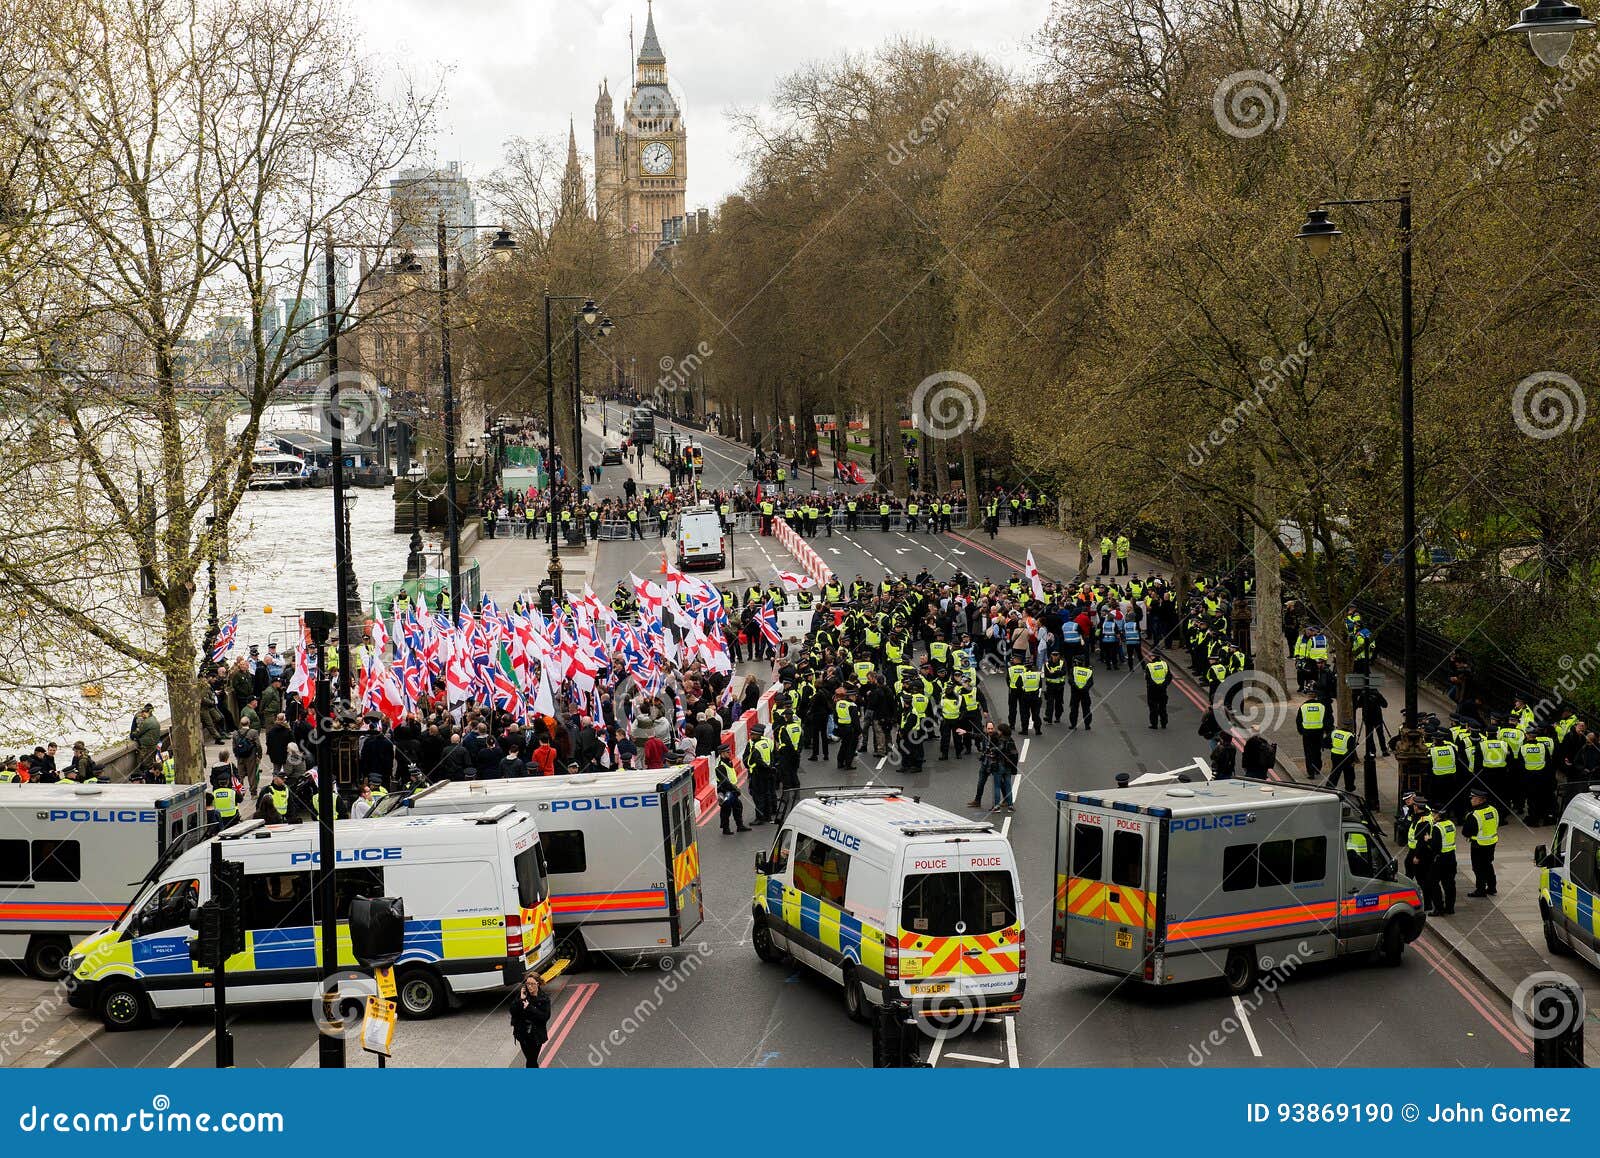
(243, 746)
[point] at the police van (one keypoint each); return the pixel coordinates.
(890, 896)
(1168, 883)
(698, 534)
(1569, 878)
(69, 853)
(620, 848)
(476, 899)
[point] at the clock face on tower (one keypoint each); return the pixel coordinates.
(656, 158)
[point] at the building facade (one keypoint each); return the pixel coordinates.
(641, 165)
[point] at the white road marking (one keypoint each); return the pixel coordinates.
(1022, 756)
(1011, 1041)
(938, 1047)
(199, 1045)
(1005, 828)
(882, 762)
(972, 1057)
(1249, 1034)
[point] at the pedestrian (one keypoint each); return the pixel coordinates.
(1082, 698)
(1309, 723)
(1482, 828)
(1157, 681)
(362, 806)
(530, 1019)
(1003, 769)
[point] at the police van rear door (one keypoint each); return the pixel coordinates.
(685, 900)
(1105, 887)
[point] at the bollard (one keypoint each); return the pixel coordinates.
(1557, 1014)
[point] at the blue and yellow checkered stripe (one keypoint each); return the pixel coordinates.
(849, 937)
(1577, 904)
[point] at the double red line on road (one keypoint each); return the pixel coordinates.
(566, 1017)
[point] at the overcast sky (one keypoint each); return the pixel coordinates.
(521, 69)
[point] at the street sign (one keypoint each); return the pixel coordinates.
(377, 1028)
(385, 979)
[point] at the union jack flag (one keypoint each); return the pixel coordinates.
(767, 621)
(225, 638)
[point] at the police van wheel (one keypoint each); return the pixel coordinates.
(47, 958)
(1392, 944)
(122, 1006)
(855, 998)
(765, 947)
(574, 951)
(1240, 971)
(1557, 947)
(421, 994)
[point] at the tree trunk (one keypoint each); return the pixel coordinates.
(183, 695)
(1270, 649)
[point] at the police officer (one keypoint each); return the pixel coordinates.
(758, 759)
(847, 719)
(732, 806)
(1055, 688)
(787, 760)
(272, 805)
(1032, 683)
(1157, 681)
(1444, 864)
(1482, 828)
(1081, 698)
(1343, 746)
(949, 703)
(1014, 674)
(1420, 849)
(1310, 723)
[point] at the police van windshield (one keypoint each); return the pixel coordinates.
(532, 885)
(958, 904)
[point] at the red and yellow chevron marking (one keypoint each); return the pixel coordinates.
(685, 867)
(1125, 906)
(540, 923)
(64, 911)
(950, 956)
(1086, 898)
(1061, 892)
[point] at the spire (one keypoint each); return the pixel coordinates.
(650, 51)
(572, 188)
(572, 146)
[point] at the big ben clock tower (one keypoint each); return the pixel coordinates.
(642, 170)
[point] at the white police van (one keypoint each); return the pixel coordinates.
(476, 900)
(620, 848)
(1569, 878)
(698, 534)
(69, 853)
(892, 897)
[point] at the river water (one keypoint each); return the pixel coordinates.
(280, 563)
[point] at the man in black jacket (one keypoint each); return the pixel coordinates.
(277, 740)
(454, 762)
(375, 760)
(1259, 756)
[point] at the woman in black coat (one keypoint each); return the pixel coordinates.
(530, 1019)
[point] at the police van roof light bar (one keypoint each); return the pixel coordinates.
(239, 831)
(857, 791)
(946, 829)
(496, 814)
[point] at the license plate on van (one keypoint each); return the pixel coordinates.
(929, 990)
(1124, 939)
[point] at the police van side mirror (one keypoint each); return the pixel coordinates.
(762, 866)
(1544, 858)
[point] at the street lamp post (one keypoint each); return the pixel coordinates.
(1318, 232)
(589, 314)
(1551, 26)
(341, 544)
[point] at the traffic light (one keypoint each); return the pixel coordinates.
(207, 923)
(813, 455)
(227, 893)
(377, 930)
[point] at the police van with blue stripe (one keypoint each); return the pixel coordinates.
(620, 847)
(476, 900)
(1569, 879)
